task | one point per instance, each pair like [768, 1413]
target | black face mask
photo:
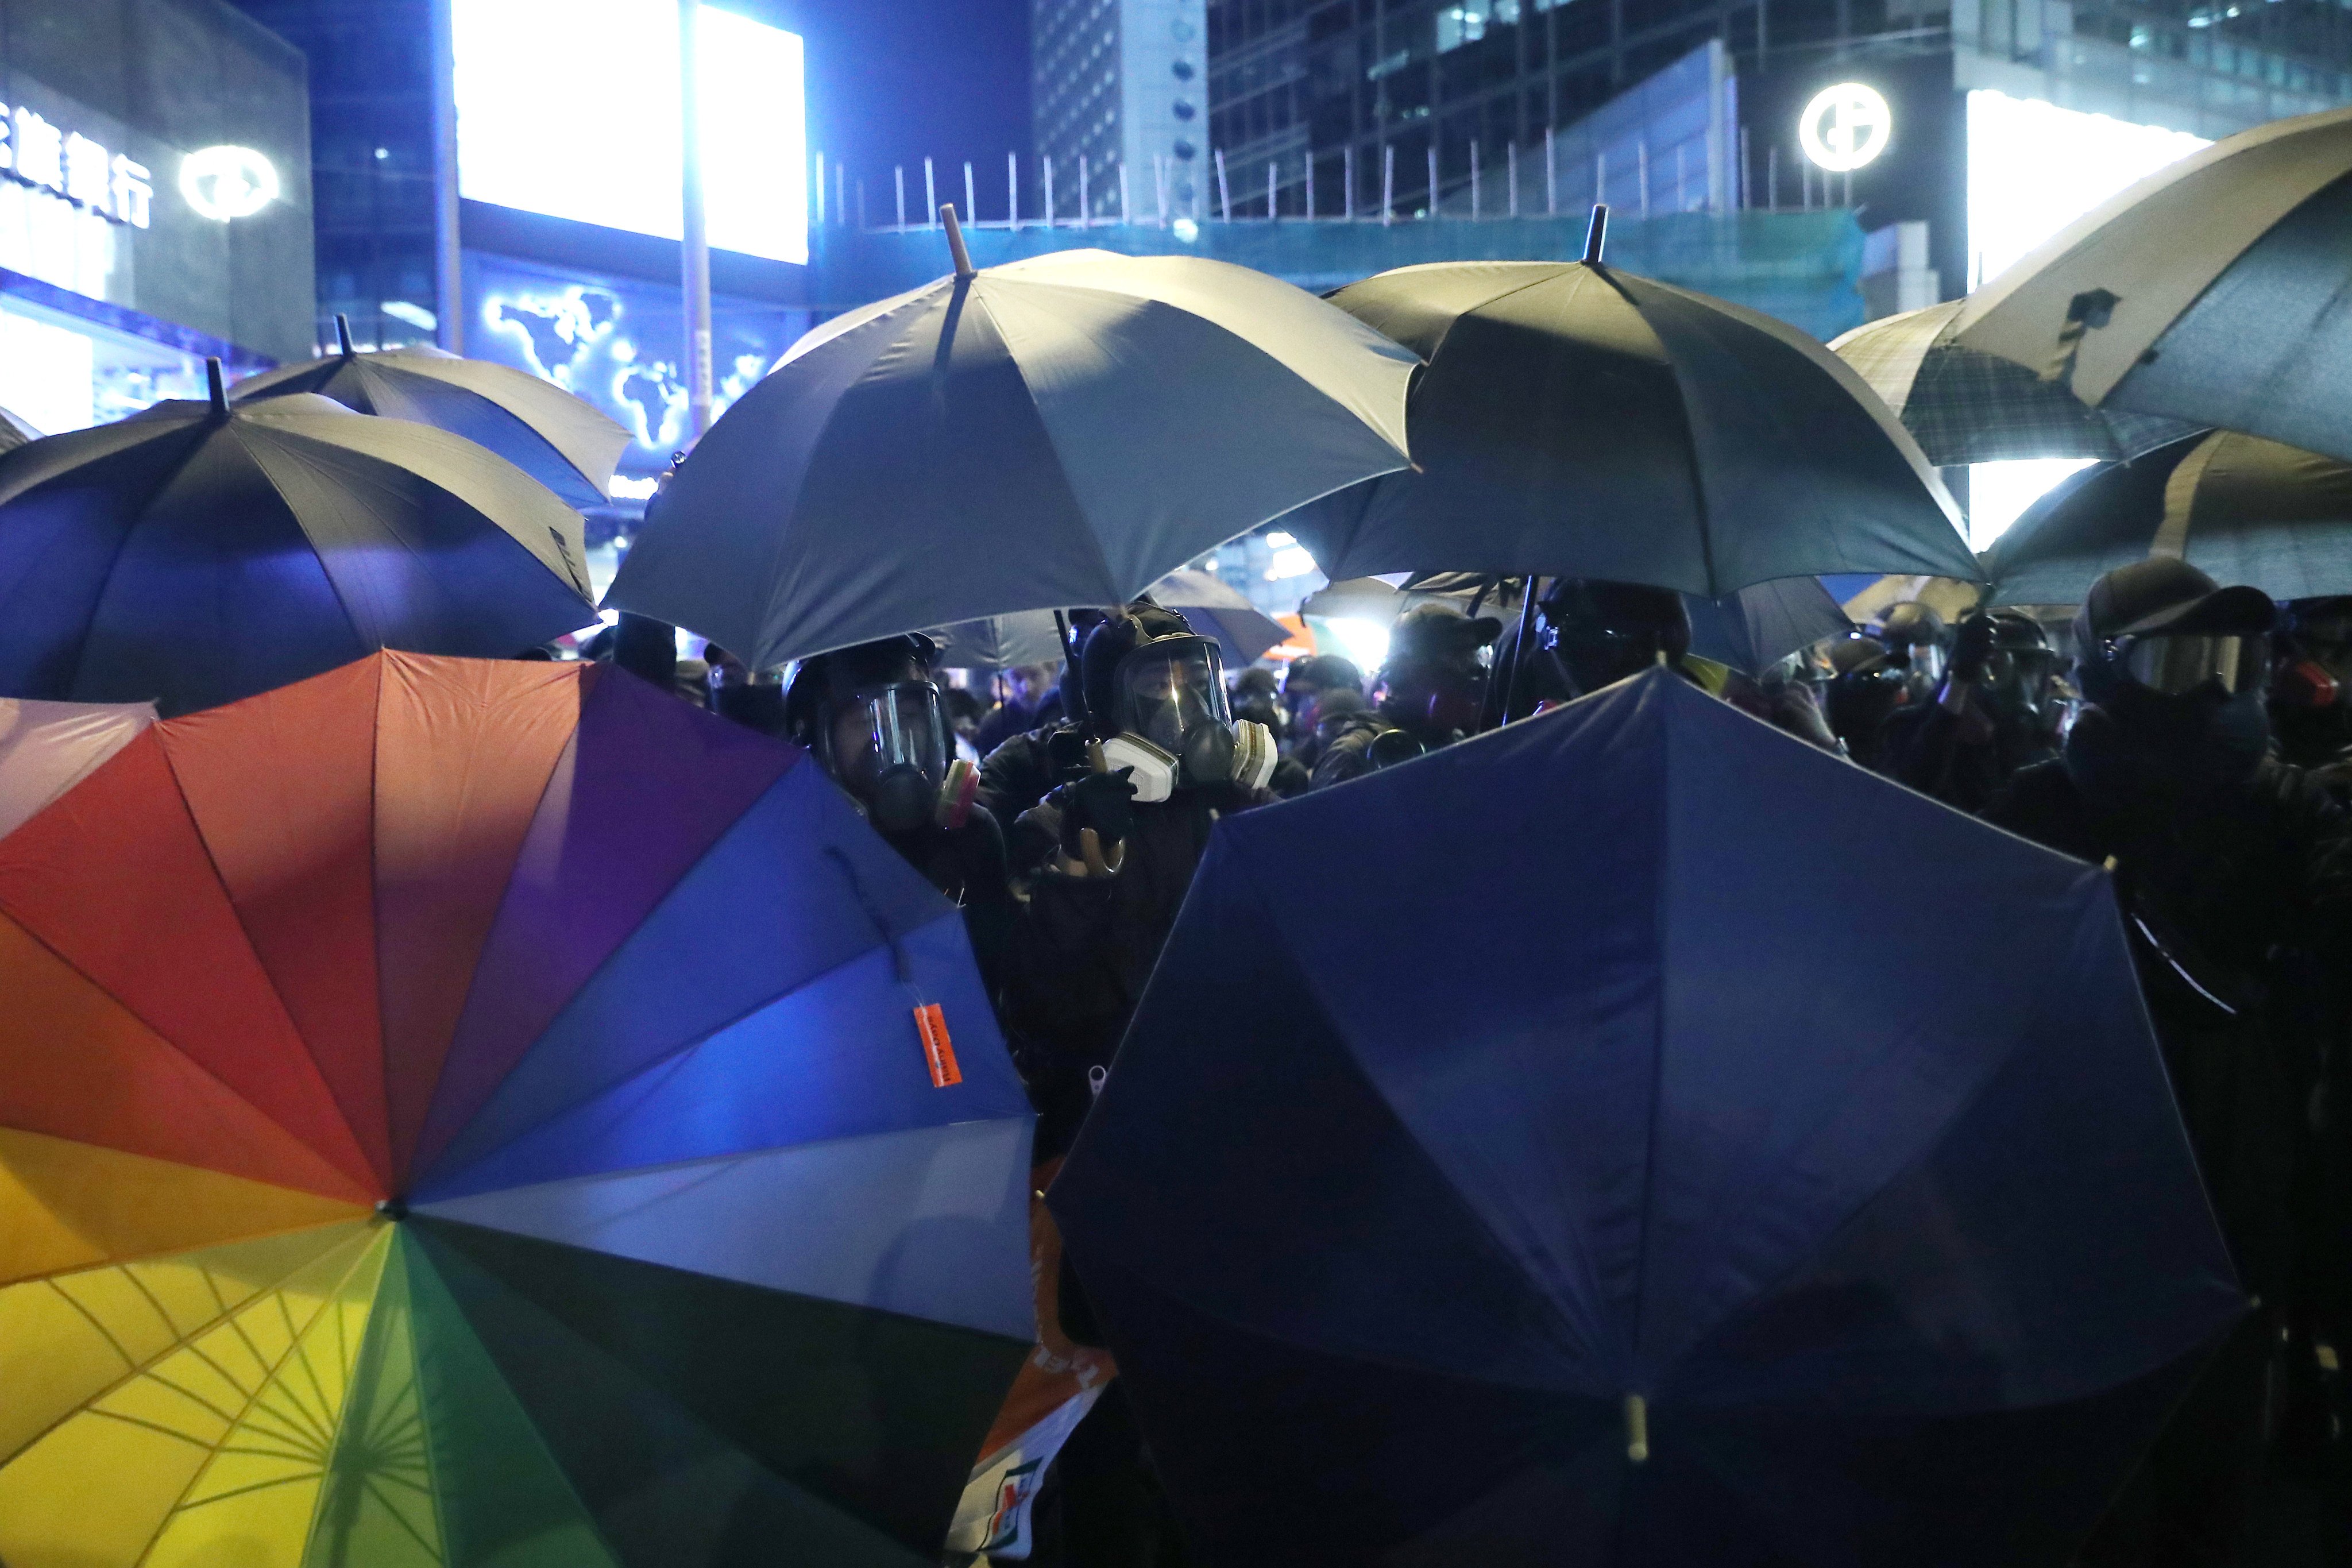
[903, 799]
[2138, 746]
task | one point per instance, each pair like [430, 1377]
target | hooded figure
[1110, 850]
[1431, 690]
[2001, 708]
[2229, 867]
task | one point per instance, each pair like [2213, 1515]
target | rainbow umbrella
[457, 1113]
[46, 748]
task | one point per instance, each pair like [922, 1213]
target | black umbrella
[14, 432]
[1966, 407]
[553, 437]
[2214, 292]
[199, 552]
[2241, 509]
[1657, 1191]
[1578, 420]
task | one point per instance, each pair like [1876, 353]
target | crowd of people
[2195, 740]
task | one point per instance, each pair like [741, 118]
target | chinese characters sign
[39, 152]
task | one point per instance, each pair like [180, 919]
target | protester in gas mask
[1429, 692]
[873, 718]
[2226, 866]
[1917, 643]
[1998, 711]
[1860, 690]
[1304, 686]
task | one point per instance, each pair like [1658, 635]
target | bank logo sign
[36, 150]
[1846, 127]
[225, 183]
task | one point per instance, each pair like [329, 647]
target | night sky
[891, 81]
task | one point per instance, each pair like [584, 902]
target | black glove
[1104, 802]
[1973, 646]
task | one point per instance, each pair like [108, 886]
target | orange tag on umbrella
[939, 1051]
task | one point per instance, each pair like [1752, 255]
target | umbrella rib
[81, 645]
[673, 1058]
[1046, 428]
[270, 1370]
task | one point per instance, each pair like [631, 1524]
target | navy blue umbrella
[1562, 1149]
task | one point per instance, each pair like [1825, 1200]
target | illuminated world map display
[617, 343]
[570, 108]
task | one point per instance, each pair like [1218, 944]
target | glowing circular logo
[1846, 127]
[225, 183]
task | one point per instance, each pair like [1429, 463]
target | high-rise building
[370, 160]
[1121, 85]
[1399, 89]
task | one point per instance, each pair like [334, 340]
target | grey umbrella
[1966, 407]
[1062, 430]
[1579, 420]
[535, 425]
[2215, 291]
[1219, 611]
[994, 643]
[198, 552]
[2241, 509]
[14, 432]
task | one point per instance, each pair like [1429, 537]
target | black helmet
[1604, 631]
[2163, 625]
[1433, 631]
[1120, 633]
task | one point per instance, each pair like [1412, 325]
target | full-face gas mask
[1172, 724]
[888, 746]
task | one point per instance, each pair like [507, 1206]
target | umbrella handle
[1637, 1428]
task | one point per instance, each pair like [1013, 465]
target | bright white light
[2033, 168]
[570, 107]
[1278, 540]
[1185, 230]
[1364, 644]
[416, 316]
[46, 374]
[1846, 127]
[1999, 493]
[626, 488]
[1292, 563]
[226, 183]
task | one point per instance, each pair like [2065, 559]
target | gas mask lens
[1170, 689]
[890, 749]
[2174, 665]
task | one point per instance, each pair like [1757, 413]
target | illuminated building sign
[37, 151]
[570, 107]
[617, 343]
[1846, 127]
[225, 183]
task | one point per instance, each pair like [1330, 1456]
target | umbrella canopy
[1966, 407]
[1063, 430]
[196, 554]
[461, 1112]
[1642, 1223]
[46, 748]
[13, 431]
[996, 643]
[1579, 420]
[2239, 508]
[2213, 291]
[1764, 623]
[549, 434]
[1216, 610]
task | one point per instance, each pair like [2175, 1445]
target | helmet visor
[2173, 664]
[1166, 688]
[887, 727]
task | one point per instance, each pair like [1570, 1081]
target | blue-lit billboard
[617, 343]
[570, 108]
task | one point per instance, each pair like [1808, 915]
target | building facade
[154, 203]
[1415, 98]
[371, 160]
[1120, 85]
